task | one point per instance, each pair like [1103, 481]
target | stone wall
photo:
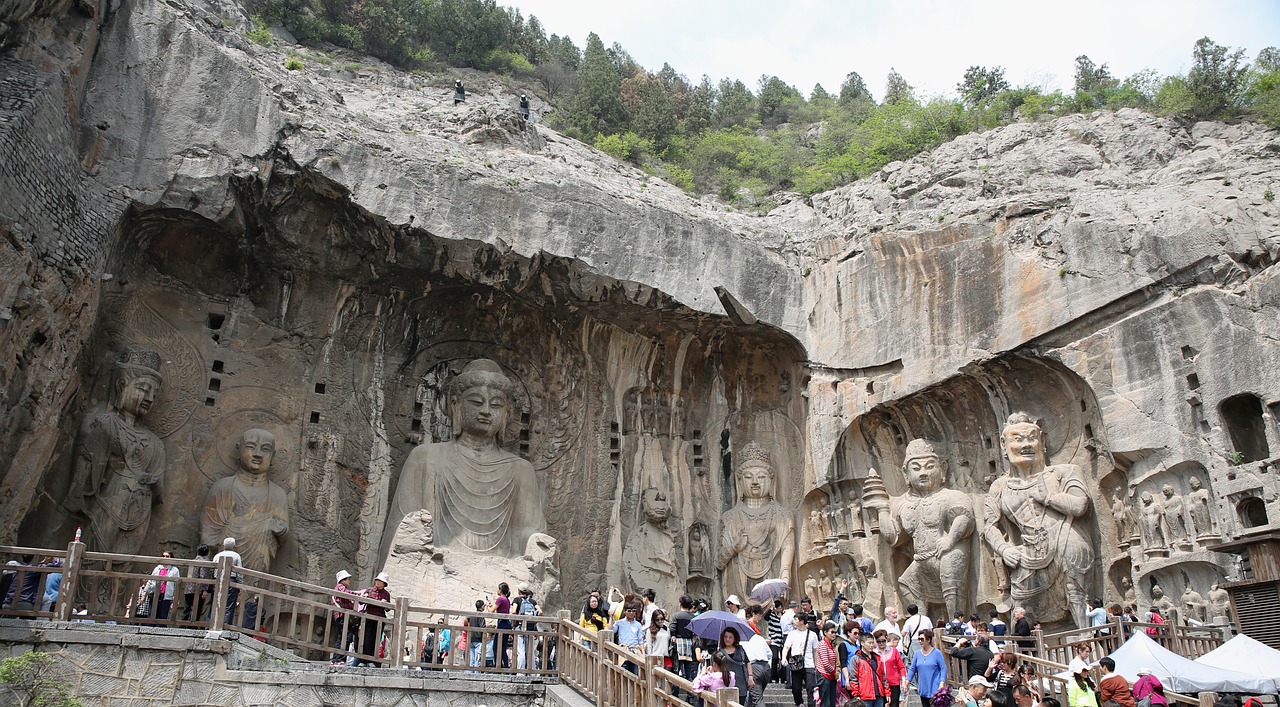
[114, 666]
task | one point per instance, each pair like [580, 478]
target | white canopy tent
[1181, 674]
[1246, 655]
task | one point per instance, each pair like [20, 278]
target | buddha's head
[255, 451]
[923, 468]
[137, 381]
[482, 399]
[755, 474]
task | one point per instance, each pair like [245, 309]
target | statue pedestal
[1155, 552]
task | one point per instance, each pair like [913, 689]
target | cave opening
[1242, 414]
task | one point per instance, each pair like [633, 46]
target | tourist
[477, 644]
[1004, 674]
[974, 651]
[1113, 685]
[161, 590]
[1022, 629]
[996, 699]
[1081, 692]
[526, 605]
[777, 634]
[1084, 657]
[657, 639]
[976, 693]
[890, 622]
[928, 669]
[459, 92]
[731, 646]
[839, 604]
[1096, 614]
[502, 605]
[195, 593]
[895, 668]
[758, 653]
[52, 585]
[683, 639]
[24, 592]
[233, 590]
[733, 605]
[1149, 688]
[911, 628]
[372, 626]
[867, 676]
[344, 625]
[998, 628]
[826, 664]
[442, 644]
[595, 618]
[648, 606]
[524, 107]
[1023, 696]
[711, 678]
[797, 653]
[630, 634]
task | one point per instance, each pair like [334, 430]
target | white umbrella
[769, 589]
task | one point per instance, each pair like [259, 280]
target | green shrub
[1174, 98]
[625, 147]
[293, 63]
[34, 678]
[680, 176]
[260, 34]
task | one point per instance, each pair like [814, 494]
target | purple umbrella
[768, 590]
[711, 624]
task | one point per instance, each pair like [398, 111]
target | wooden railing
[1189, 641]
[303, 619]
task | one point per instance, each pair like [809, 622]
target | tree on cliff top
[597, 107]
[1216, 79]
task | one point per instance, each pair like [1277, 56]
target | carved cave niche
[1242, 416]
[963, 418]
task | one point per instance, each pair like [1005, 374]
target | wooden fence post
[603, 674]
[399, 632]
[651, 680]
[217, 619]
[563, 636]
[70, 581]
[725, 695]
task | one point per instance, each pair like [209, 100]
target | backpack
[529, 607]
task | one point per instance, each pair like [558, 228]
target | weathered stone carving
[1200, 502]
[811, 588]
[856, 527]
[824, 518]
[1160, 601]
[1130, 596]
[1219, 602]
[480, 496]
[119, 464]
[1030, 522]
[1123, 515]
[699, 551]
[938, 523]
[649, 558]
[1175, 519]
[1153, 527]
[1193, 606]
[758, 537]
[248, 506]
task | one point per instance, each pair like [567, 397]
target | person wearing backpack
[526, 605]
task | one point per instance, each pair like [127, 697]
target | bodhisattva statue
[758, 537]
[1123, 515]
[856, 527]
[937, 522]
[248, 506]
[1193, 606]
[1160, 601]
[1175, 520]
[1200, 501]
[1154, 542]
[480, 496]
[1219, 602]
[119, 464]
[649, 559]
[812, 590]
[1031, 522]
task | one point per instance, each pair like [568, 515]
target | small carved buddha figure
[248, 506]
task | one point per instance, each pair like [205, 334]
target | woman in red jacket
[894, 666]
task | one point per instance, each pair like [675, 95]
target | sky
[929, 42]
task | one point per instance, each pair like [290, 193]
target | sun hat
[343, 574]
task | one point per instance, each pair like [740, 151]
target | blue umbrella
[710, 625]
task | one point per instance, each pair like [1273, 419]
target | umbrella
[711, 624]
[769, 589]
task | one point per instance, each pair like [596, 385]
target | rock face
[318, 254]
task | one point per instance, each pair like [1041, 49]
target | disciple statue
[815, 528]
[826, 587]
[1130, 596]
[758, 537]
[248, 506]
[649, 558]
[1123, 516]
[480, 496]
[824, 518]
[1175, 519]
[699, 554]
[1199, 502]
[1160, 601]
[937, 522]
[811, 589]
[1193, 606]
[119, 464]
[1153, 537]
[1033, 522]
[856, 527]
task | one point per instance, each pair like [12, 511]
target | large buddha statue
[248, 506]
[119, 464]
[758, 535]
[937, 522]
[1033, 522]
[649, 559]
[479, 496]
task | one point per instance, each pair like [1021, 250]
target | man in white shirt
[789, 618]
[759, 655]
[233, 594]
[911, 628]
[890, 623]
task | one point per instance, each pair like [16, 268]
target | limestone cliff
[319, 251]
